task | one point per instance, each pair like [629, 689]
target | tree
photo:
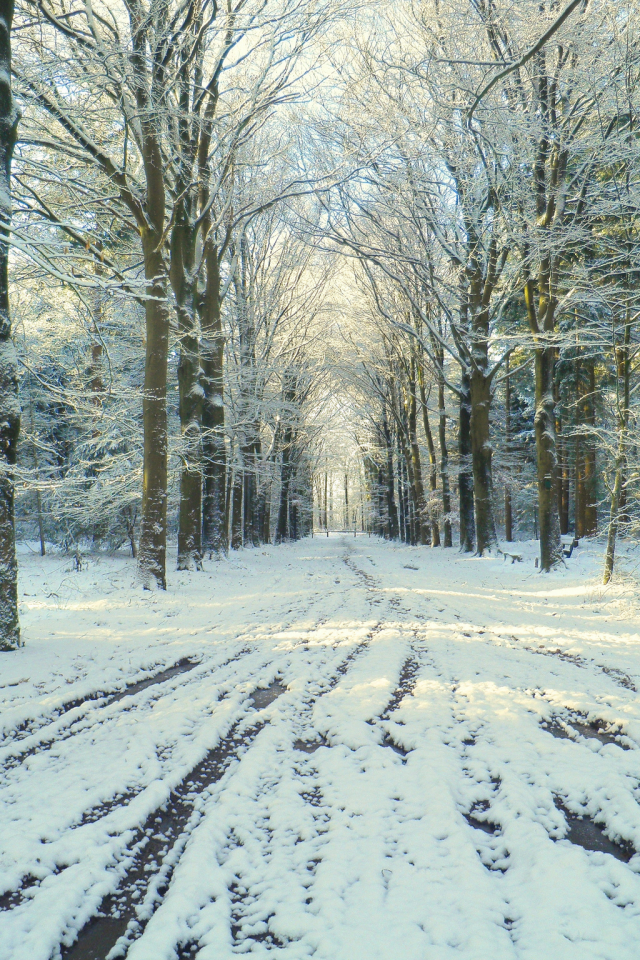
[9, 404]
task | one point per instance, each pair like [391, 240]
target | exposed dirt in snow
[339, 749]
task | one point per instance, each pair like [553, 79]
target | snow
[361, 848]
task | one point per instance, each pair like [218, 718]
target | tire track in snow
[484, 825]
[106, 697]
[324, 651]
[12, 899]
[57, 730]
[119, 922]
[296, 717]
[579, 828]
[159, 844]
[95, 717]
[307, 742]
[100, 698]
[448, 673]
[495, 625]
[119, 800]
[517, 661]
[593, 833]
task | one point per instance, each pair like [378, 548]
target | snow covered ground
[434, 743]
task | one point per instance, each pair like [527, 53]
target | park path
[375, 753]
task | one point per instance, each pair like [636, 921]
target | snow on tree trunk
[9, 404]
[545, 431]
[486, 536]
[213, 441]
[465, 474]
[153, 536]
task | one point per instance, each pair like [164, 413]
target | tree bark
[615, 506]
[545, 432]
[265, 513]
[190, 409]
[465, 470]
[508, 512]
[590, 477]
[623, 370]
[151, 220]
[251, 494]
[282, 525]
[182, 278]
[237, 488]
[486, 536]
[433, 465]
[422, 518]
[392, 510]
[402, 498]
[326, 503]
[413, 511]
[153, 535]
[9, 403]
[444, 464]
[213, 420]
[562, 479]
[346, 502]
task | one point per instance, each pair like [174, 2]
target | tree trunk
[562, 479]
[465, 470]
[190, 409]
[486, 537]
[444, 464]
[9, 404]
[392, 510]
[579, 497]
[433, 465]
[252, 498]
[248, 498]
[590, 478]
[236, 509]
[545, 432]
[401, 498]
[346, 502]
[153, 535]
[282, 525]
[213, 441]
[151, 222]
[624, 378]
[624, 395]
[508, 513]
[615, 506]
[422, 518]
[189, 393]
[413, 510]
[266, 515]
[326, 501]
[36, 466]
[566, 486]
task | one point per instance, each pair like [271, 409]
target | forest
[319, 479]
[262, 250]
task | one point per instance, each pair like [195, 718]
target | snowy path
[430, 735]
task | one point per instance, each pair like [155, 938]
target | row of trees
[495, 237]
[155, 187]
[81, 454]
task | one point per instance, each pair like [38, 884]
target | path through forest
[340, 749]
